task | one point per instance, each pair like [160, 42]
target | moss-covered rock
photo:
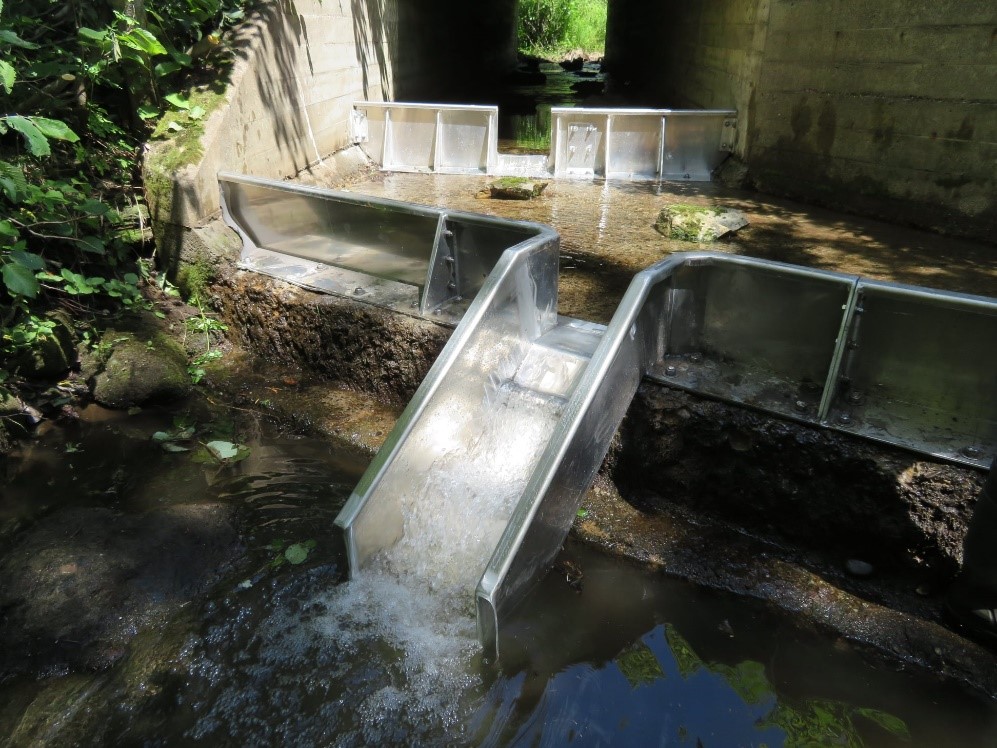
[698, 223]
[139, 369]
[516, 188]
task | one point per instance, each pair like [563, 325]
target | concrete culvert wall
[884, 108]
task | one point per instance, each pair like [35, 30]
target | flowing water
[274, 653]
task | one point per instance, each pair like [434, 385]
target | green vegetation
[552, 28]
[82, 86]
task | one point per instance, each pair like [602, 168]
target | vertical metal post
[840, 352]
[437, 140]
[661, 148]
[387, 147]
[607, 145]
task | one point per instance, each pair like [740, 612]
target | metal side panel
[635, 145]
[547, 507]
[464, 141]
[919, 370]
[694, 144]
[754, 334]
[405, 257]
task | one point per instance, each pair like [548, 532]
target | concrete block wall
[888, 107]
[883, 107]
[300, 66]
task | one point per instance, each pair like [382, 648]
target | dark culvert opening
[525, 56]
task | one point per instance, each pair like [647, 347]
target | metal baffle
[416, 137]
[754, 334]
[586, 142]
[388, 253]
[919, 369]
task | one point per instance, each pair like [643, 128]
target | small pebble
[858, 568]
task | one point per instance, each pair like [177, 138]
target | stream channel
[247, 652]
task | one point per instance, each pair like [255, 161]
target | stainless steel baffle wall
[585, 143]
[401, 256]
[906, 366]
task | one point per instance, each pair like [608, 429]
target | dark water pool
[279, 653]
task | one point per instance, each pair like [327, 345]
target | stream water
[264, 653]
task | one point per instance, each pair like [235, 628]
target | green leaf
[28, 259]
[222, 450]
[178, 100]
[10, 38]
[888, 722]
[165, 68]
[36, 141]
[582, 513]
[93, 34]
[54, 128]
[171, 447]
[143, 41]
[296, 553]
[20, 281]
[196, 112]
[147, 111]
[94, 207]
[92, 244]
[174, 126]
[12, 180]
[7, 75]
[7, 229]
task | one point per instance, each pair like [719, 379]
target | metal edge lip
[426, 105]
[642, 111]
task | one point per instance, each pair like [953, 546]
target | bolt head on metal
[844, 419]
[696, 358]
[972, 452]
[854, 396]
[800, 405]
[358, 291]
[671, 371]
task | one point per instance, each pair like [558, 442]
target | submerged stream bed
[154, 597]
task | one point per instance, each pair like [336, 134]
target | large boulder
[139, 369]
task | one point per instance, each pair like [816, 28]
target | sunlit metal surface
[405, 257]
[628, 144]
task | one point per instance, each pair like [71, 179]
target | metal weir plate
[405, 257]
[627, 144]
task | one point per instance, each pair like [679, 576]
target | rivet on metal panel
[972, 452]
[452, 286]
[801, 406]
[696, 358]
[671, 371]
[844, 419]
[448, 234]
[358, 291]
[853, 344]
[854, 397]
[449, 260]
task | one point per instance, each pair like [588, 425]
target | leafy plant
[290, 553]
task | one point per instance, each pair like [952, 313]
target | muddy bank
[349, 344]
